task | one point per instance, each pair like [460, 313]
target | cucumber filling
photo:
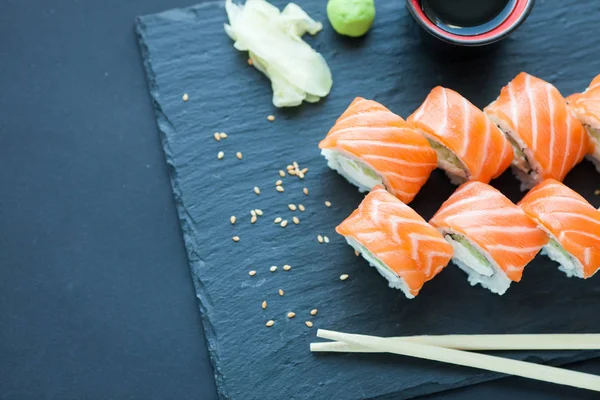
[520, 155]
[354, 170]
[469, 255]
[446, 154]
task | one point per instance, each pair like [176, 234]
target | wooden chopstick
[474, 360]
[578, 341]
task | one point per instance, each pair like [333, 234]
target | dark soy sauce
[467, 17]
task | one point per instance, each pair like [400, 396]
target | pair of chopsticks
[451, 349]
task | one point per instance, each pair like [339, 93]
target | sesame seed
[270, 323]
[305, 190]
[320, 238]
[292, 172]
[220, 155]
[264, 305]
[288, 167]
[597, 192]
[253, 219]
[292, 207]
[271, 118]
[239, 155]
[356, 253]
[258, 212]
[277, 220]
[232, 219]
[279, 183]
[273, 268]
[279, 188]
[296, 220]
[301, 207]
[291, 314]
[304, 170]
[312, 312]
[280, 291]
[343, 277]
[250, 62]
[309, 324]
[217, 137]
[185, 97]
[327, 203]
[256, 190]
[287, 267]
[235, 238]
[325, 239]
[253, 213]
[252, 273]
[284, 223]
[295, 164]
[281, 173]
[223, 135]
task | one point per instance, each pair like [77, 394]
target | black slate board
[186, 51]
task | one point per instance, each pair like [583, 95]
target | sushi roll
[572, 224]
[394, 239]
[492, 238]
[369, 145]
[548, 140]
[586, 106]
[468, 145]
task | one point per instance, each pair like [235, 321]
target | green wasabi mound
[351, 17]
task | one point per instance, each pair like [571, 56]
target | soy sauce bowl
[485, 32]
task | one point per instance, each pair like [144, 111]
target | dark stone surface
[186, 51]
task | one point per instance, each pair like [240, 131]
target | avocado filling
[446, 154]
[355, 171]
[520, 155]
[470, 255]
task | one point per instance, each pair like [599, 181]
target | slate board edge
[166, 127]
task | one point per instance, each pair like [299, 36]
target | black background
[96, 299]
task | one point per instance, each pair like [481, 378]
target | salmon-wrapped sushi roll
[369, 145]
[572, 223]
[493, 239]
[469, 146]
[586, 106]
[394, 239]
[548, 140]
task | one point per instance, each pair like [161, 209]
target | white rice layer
[354, 170]
[448, 161]
[393, 279]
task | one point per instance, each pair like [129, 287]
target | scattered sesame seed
[280, 292]
[220, 155]
[291, 314]
[232, 219]
[309, 324]
[300, 175]
[296, 220]
[300, 207]
[281, 173]
[279, 188]
[325, 239]
[239, 155]
[236, 238]
[279, 183]
[252, 273]
[277, 220]
[597, 192]
[253, 219]
[327, 203]
[295, 164]
[292, 172]
[271, 118]
[284, 223]
[264, 305]
[343, 277]
[290, 166]
[253, 213]
[258, 212]
[185, 97]
[320, 238]
[356, 253]
[287, 267]
[292, 207]
[223, 135]
[304, 170]
[217, 137]
[256, 190]
[250, 62]
[273, 268]
[314, 311]
[305, 190]
[270, 323]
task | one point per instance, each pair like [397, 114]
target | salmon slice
[493, 239]
[548, 140]
[469, 145]
[572, 223]
[586, 107]
[370, 145]
[404, 248]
